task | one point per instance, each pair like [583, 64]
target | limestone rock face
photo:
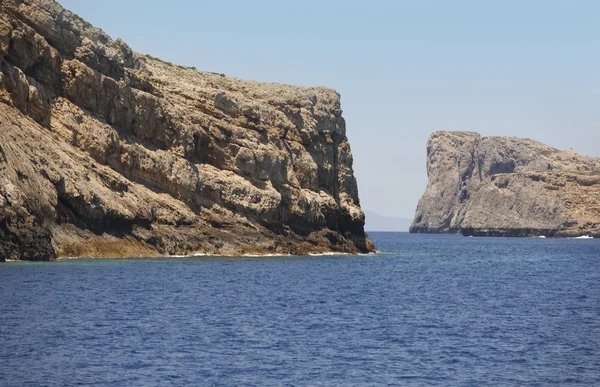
[108, 153]
[507, 186]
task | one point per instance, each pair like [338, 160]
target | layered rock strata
[108, 153]
[506, 186]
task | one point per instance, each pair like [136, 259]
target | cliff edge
[108, 153]
[507, 186]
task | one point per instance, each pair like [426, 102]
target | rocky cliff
[108, 153]
[507, 186]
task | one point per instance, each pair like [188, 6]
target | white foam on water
[193, 255]
[266, 255]
[327, 253]
[584, 237]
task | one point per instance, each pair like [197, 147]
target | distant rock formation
[506, 186]
[108, 153]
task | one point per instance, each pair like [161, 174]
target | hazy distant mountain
[376, 222]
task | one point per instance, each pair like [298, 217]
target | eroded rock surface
[507, 186]
[108, 153]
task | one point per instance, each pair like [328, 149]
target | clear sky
[404, 68]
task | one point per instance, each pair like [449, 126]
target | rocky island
[105, 152]
[506, 186]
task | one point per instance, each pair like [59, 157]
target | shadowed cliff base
[108, 153]
[506, 186]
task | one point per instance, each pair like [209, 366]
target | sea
[427, 310]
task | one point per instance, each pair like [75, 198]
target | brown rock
[106, 152]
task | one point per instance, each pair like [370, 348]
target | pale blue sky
[403, 68]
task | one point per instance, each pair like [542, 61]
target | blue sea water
[427, 310]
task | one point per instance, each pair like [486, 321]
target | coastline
[207, 255]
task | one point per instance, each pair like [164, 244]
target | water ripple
[427, 310]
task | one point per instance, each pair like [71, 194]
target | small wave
[334, 253]
[372, 253]
[327, 253]
[267, 255]
[229, 255]
[194, 255]
[584, 237]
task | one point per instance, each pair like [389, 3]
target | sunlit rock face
[507, 186]
[108, 153]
